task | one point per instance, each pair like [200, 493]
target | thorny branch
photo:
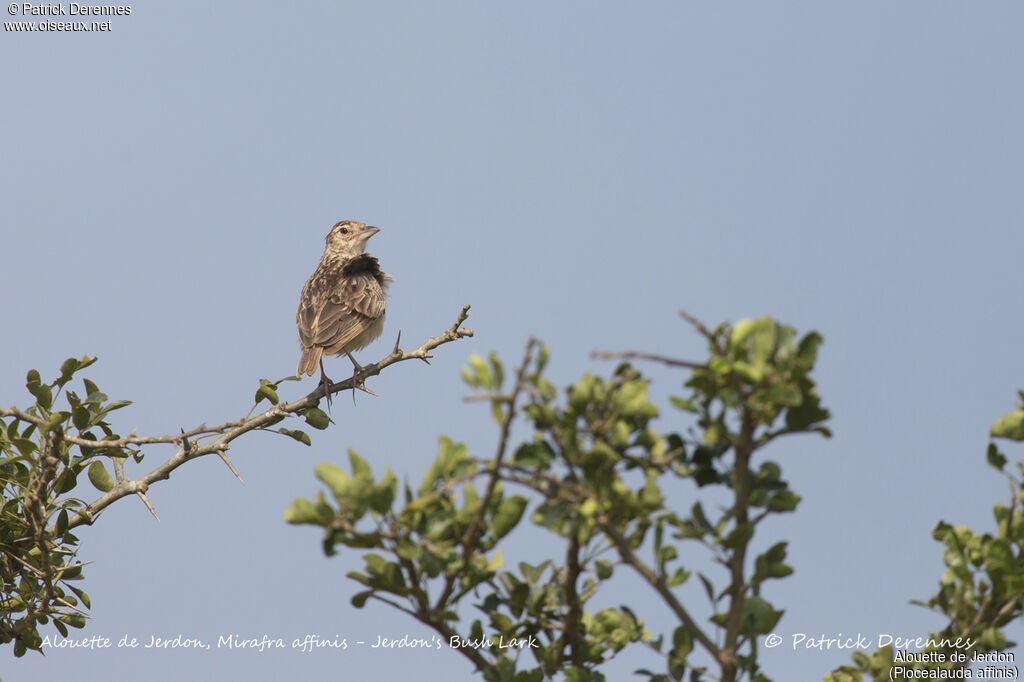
[189, 442]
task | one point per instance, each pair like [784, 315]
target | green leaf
[542, 357]
[998, 555]
[1010, 425]
[759, 616]
[497, 412]
[632, 401]
[510, 511]
[334, 478]
[496, 562]
[56, 419]
[384, 493]
[497, 370]
[359, 465]
[741, 330]
[42, 395]
[683, 404]
[699, 517]
[303, 511]
[748, 372]
[536, 455]
[679, 577]
[481, 371]
[807, 351]
[75, 621]
[69, 367]
[90, 386]
[116, 405]
[783, 501]
[532, 574]
[66, 481]
[739, 536]
[97, 397]
[25, 446]
[994, 457]
[100, 477]
[298, 435]
[650, 495]
[83, 596]
[317, 418]
[589, 507]
[266, 391]
[763, 340]
[682, 645]
[80, 417]
[770, 564]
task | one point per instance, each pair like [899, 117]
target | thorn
[397, 340]
[357, 382]
[186, 447]
[145, 500]
[224, 456]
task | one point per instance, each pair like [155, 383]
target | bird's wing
[355, 303]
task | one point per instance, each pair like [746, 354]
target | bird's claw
[326, 383]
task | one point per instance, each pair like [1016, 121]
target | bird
[342, 305]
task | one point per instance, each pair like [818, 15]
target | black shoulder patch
[364, 262]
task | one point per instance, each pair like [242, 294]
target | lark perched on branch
[341, 309]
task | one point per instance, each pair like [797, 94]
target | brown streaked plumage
[341, 308]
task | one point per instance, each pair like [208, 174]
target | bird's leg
[356, 369]
[326, 384]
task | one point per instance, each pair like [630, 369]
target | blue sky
[578, 171]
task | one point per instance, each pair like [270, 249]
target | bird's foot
[326, 383]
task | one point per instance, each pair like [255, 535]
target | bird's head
[348, 238]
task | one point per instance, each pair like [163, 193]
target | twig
[629, 557]
[574, 608]
[636, 355]
[698, 325]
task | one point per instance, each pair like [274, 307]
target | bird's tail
[309, 361]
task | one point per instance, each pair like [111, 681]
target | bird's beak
[368, 232]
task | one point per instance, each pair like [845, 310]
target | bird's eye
[344, 230]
